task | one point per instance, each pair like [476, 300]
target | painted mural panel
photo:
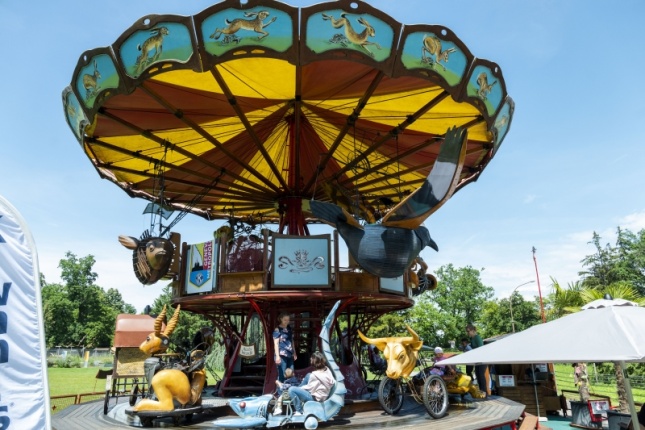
[166, 41]
[232, 28]
[427, 50]
[502, 123]
[337, 29]
[73, 113]
[484, 86]
[98, 75]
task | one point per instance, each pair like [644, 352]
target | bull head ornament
[401, 353]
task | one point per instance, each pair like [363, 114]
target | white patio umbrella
[599, 334]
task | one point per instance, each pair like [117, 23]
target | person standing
[283, 345]
[480, 369]
[465, 347]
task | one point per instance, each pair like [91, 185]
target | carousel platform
[365, 414]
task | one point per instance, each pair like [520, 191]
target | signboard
[301, 262]
[24, 393]
[201, 267]
[506, 380]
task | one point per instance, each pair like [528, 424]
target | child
[290, 381]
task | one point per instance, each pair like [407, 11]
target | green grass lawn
[564, 381]
[76, 381]
[73, 380]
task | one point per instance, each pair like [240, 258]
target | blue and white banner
[201, 270]
[24, 392]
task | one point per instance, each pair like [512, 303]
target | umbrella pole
[630, 395]
[537, 398]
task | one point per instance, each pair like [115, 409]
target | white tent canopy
[615, 333]
[603, 334]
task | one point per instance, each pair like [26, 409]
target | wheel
[176, 420]
[390, 395]
[435, 396]
[133, 394]
[189, 418]
[106, 402]
[311, 422]
[146, 422]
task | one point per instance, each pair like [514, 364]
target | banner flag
[24, 391]
[201, 270]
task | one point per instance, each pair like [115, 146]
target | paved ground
[364, 415]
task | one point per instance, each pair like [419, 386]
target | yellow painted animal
[401, 353]
[171, 385]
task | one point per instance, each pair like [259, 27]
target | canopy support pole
[630, 395]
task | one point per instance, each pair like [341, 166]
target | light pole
[510, 301]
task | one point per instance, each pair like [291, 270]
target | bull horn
[379, 343]
[415, 336]
[173, 322]
[159, 321]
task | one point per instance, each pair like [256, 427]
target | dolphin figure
[387, 249]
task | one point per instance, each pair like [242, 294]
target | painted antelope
[401, 353]
[351, 34]
[257, 25]
[171, 384]
[484, 87]
[432, 45]
[153, 43]
[91, 82]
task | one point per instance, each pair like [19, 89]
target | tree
[624, 262]
[78, 312]
[115, 301]
[496, 315]
[441, 315]
[562, 301]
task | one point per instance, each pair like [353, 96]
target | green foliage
[496, 315]
[78, 312]
[187, 326]
[623, 262]
[392, 324]
[562, 301]
[441, 315]
[68, 362]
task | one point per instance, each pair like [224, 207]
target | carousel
[276, 119]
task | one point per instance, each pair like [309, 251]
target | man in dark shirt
[480, 369]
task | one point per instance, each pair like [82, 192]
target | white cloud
[634, 222]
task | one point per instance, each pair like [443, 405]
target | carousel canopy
[246, 109]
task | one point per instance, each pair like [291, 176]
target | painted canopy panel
[235, 111]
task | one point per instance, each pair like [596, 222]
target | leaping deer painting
[351, 35]
[484, 87]
[432, 45]
[256, 24]
[153, 43]
[91, 82]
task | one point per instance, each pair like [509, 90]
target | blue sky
[571, 164]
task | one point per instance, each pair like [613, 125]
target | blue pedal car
[254, 411]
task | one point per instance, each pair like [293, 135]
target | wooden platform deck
[360, 415]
